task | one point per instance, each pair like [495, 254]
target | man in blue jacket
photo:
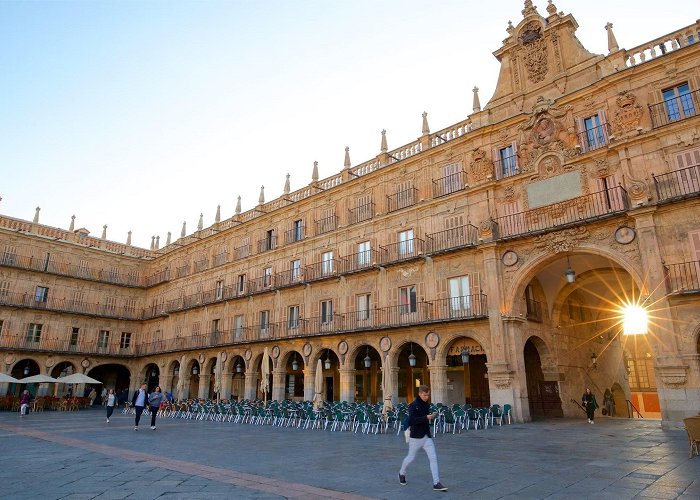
[419, 417]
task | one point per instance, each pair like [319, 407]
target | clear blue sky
[144, 114]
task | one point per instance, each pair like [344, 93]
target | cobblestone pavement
[77, 455]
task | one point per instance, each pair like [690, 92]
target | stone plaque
[555, 189]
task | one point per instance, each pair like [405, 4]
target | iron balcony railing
[288, 278]
[261, 284]
[267, 244]
[402, 199]
[452, 239]
[157, 278]
[403, 250]
[683, 277]
[201, 265]
[362, 260]
[449, 184]
[56, 345]
[57, 304]
[361, 213]
[507, 166]
[326, 225]
[567, 213]
[182, 271]
[323, 270]
[295, 234]
[594, 138]
[241, 252]
[679, 184]
[672, 110]
[220, 259]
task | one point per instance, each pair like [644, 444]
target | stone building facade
[514, 237]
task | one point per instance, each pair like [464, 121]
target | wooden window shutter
[515, 154]
[474, 283]
[694, 238]
[581, 134]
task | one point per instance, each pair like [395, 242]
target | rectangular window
[110, 304]
[327, 267]
[364, 254]
[406, 243]
[595, 133]
[219, 290]
[74, 336]
[2, 323]
[103, 339]
[34, 332]
[364, 305]
[407, 299]
[326, 311]
[678, 102]
[267, 277]
[41, 295]
[4, 288]
[264, 321]
[125, 340]
[452, 178]
[196, 328]
[298, 229]
[241, 284]
[459, 293]
[506, 160]
[9, 255]
[293, 317]
[216, 326]
[270, 239]
[296, 270]
[238, 326]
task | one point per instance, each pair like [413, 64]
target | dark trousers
[590, 411]
[110, 410]
[154, 412]
[139, 411]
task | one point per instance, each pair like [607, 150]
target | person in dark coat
[590, 404]
[419, 418]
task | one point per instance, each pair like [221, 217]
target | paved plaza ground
[77, 455]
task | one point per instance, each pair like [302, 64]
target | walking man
[419, 417]
[139, 402]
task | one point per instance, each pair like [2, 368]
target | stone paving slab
[77, 455]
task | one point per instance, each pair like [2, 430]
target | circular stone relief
[50, 362]
[201, 359]
[625, 235]
[343, 347]
[247, 354]
[306, 350]
[509, 258]
[85, 363]
[9, 359]
[276, 352]
[432, 340]
[385, 344]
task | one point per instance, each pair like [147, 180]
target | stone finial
[157, 242]
[71, 228]
[426, 128]
[104, 232]
[314, 173]
[529, 8]
[36, 215]
[384, 147]
[612, 42]
[346, 163]
[476, 106]
[153, 242]
[200, 224]
[510, 29]
[217, 217]
[261, 198]
[286, 185]
[167, 240]
[551, 8]
[128, 239]
[184, 229]
[238, 206]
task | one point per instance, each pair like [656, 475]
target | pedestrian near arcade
[590, 404]
[24, 403]
[154, 401]
[419, 418]
[111, 403]
[139, 402]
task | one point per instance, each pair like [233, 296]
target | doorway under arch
[543, 395]
[467, 380]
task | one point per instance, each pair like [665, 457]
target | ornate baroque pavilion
[489, 259]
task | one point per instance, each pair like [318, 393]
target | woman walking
[24, 403]
[111, 403]
[154, 401]
[590, 404]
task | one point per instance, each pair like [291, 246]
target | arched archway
[411, 377]
[543, 395]
[193, 374]
[368, 375]
[25, 368]
[63, 369]
[152, 376]
[467, 380]
[294, 377]
[112, 376]
[238, 369]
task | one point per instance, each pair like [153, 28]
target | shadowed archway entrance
[543, 396]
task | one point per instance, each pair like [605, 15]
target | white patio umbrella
[77, 378]
[265, 382]
[387, 389]
[318, 385]
[5, 378]
[38, 379]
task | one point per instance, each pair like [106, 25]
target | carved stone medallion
[343, 347]
[628, 115]
[276, 352]
[306, 350]
[432, 340]
[85, 363]
[510, 258]
[385, 344]
[625, 235]
[248, 354]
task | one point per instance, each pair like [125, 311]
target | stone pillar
[166, 383]
[395, 385]
[438, 383]
[347, 384]
[309, 383]
[515, 394]
[203, 390]
[251, 380]
[278, 379]
[226, 383]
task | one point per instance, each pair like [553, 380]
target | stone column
[309, 383]
[278, 379]
[438, 383]
[251, 385]
[507, 385]
[226, 384]
[204, 385]
[347, 384]
[166, 383]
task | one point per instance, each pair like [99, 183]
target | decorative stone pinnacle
[157, 242]
[529, 9]
[476, 105]
[346, 163]
[261, 198]
[286, 185]
[104, 232]
[238, 206]
[510, 29]
[551, 8]
[71, 228]
[612, 42]
[184, 229]
[36, 215]
[167, 240]
[217, 218]
[384, 147]
[425, 129]
[128, 238]
[153, 242]
[314, 173]
[200, 224]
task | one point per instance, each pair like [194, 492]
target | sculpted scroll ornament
[562, 241]
[480, 168]
[534, 52]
